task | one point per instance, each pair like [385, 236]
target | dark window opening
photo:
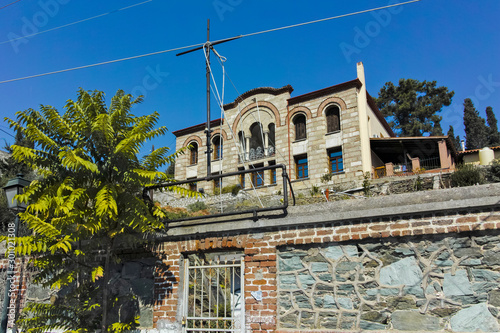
[300, 127]
[218, 147]
[193, 153]
[332, 119]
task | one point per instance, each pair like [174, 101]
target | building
[337, 132]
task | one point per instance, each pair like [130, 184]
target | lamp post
[14, 187]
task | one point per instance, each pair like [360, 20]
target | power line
[99, 63]
[73, 23]
[7, 133]
[200, 44]
[9, 4]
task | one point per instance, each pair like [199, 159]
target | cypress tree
[454, 139]
[493, 134]
[476, 132]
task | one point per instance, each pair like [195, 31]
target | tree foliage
[9, 168]
[87, 205]
[493, 134]
[411, 107]
[476, 131]
[454, 139]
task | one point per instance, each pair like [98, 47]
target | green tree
[454, 139]
[87, 205]
[9, 168]
[411, 107]
[493, 134]
[476, 132]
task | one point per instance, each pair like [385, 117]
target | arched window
[300, 126]
[217, 146]
[193, 153]
[271, 139]
[332, 119]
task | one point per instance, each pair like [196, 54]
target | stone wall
[374, 264]
[135, 275]
[428, 283]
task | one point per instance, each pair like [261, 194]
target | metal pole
[208, 130]
[10, 276]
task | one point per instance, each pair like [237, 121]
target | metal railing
[214, 297]
[254, 211]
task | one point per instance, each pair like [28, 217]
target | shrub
[197, 206]
[326, 177]
[233, 189]
[366, 183]
[314, 190]
[418, 185]
[467, 175]
[494, 171]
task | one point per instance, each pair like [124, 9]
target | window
[336, 161]
[301, 169]
[272, 173]
[332, 119]
[300, 126]
[193, 153]
[271, 139]
[217, 147]
[193, 187]
[217, 182]
[258, 178]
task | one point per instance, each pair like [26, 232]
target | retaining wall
[426, 261]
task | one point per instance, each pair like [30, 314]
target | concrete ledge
[445, 200]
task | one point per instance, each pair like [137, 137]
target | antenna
[208, 46]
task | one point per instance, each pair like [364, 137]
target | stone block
[403, 272]
[485, 275]
[474, 318]
[414, 321]
[335, 252]
[371, 326]
[457, 285]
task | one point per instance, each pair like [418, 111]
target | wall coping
[479, 196]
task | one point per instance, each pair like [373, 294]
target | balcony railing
[257, 154]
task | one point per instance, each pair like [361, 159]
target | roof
[196, 128]
[325, 91]
[356, 83]
[471, 151]
[261, 90]
[390, 149]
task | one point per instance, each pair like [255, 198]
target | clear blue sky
[454, 42]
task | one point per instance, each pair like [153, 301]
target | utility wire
[100, 63]
[9, 4]
[7, 133]
[73, 23]
[200, 44]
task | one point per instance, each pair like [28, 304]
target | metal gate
[213, 297]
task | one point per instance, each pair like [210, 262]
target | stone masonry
[425, 261]
[275, 108]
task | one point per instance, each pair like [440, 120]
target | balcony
[258, 153]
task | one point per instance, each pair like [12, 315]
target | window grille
[214, 297]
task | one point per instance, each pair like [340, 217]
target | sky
[453, 42]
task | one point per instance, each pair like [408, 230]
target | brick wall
[261, 249]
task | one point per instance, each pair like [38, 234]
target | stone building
[337, 132]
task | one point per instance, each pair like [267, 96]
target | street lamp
[14, 187]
